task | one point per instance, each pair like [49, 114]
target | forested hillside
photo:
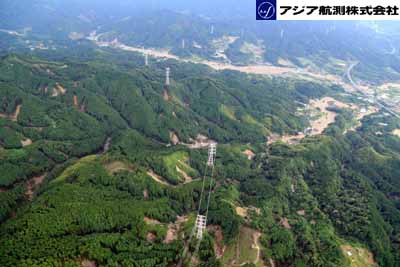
[102, 163]
[99, 165]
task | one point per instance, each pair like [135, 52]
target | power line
[200, 225]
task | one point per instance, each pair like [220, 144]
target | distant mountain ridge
[319, 45]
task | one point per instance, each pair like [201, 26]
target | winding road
[359, 90]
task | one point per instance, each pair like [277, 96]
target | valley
[261, 69]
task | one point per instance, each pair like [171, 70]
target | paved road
[380, 104]
[349, 75]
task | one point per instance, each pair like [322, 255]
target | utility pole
[212, 29]
[183, 43]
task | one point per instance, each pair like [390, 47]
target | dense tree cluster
[96, 197]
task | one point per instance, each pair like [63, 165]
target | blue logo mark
[266, 10]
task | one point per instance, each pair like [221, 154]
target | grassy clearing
[243, 250]
[228, 112]
[178, 159]
[256, 50]
[84, 168]
[246, 245]
[252, 121]
[117, 166]
[358, 256]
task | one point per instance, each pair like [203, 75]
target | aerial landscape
[173, 133]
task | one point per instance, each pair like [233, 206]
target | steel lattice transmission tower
[212, 151]
[167, 73]
[146, 57]
[201, 220]
[201, 224]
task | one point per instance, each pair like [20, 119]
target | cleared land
[13, 116]
[358, 257]
[200, 142]
[246, 249]
[263, 69]
[250, 154]
[26, 142]
[117, 166]
[58, 90]
[157, 178]
[33, 184]
[320, 118]
[396, 132]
